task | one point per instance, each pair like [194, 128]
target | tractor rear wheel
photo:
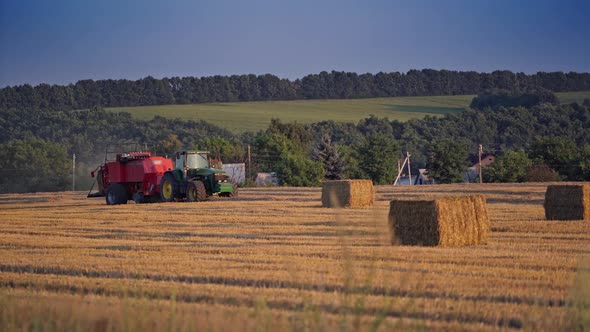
[116, 194]
[168, 188]
[195, 191]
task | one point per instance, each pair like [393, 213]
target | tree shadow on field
[422, 109]
[272, 198]
[49, 207]
[23, 201]
[512, 201]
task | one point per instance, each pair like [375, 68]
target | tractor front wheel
[235, 192]
[168, 188]
[195, 191]
[116, 194]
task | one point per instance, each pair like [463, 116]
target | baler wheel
[168, 188]
[196, 192]
[116, 194]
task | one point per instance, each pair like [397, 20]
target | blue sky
[65, 41]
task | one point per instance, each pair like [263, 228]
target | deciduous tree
[513, 166]
[379, 157]
[33, 164]
[447, 161]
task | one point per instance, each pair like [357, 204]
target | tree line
[533, 136]
[42, 142]
[86, 94]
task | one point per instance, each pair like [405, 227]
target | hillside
[559, 135]
[251, 116]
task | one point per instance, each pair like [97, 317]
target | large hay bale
[567, 202]
[348, 193]
[447, 222]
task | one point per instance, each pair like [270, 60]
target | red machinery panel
[137, 170]
[153, 170]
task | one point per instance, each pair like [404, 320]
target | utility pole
[249, 163]
[401, 168]
[74, 172]
[409, 168]
[400, 171]
[480, 152]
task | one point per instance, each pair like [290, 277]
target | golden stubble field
[274, 259]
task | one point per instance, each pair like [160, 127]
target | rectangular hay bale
[348, 193]
[447, 222]
[567, 202]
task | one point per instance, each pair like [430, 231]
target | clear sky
[65, 41]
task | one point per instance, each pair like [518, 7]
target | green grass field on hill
[252, 116]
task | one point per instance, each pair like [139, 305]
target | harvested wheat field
[275, 259]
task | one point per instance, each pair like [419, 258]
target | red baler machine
[133, 175]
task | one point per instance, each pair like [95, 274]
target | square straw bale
[567, 202]
[348, 193]
[447, 222]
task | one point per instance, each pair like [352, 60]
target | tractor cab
[190, 161]
[194, 164]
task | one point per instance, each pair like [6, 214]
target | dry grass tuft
[447, 222]
[567, 202]
[348, 193]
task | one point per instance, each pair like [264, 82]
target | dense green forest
[87, 94]
[534, 136]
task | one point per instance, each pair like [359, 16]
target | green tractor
[193, 178]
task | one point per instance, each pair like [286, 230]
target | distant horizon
[289, 78]
[62, 42]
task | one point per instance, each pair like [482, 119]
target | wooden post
[249, 163]
[74, 172]
[399, 173]
[409, 169]
[480, 152]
